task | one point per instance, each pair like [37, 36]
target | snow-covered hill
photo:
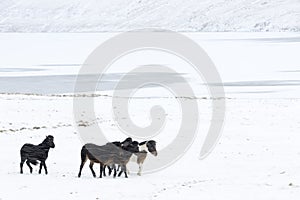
[121, 15]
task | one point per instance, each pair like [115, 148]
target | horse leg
[125, 171]
[115, 171]
[103, 171]
[110, 169]
[41, 166]
[21, 165]
[140, 169]
[45, 167]
[28, 164]
[102, 168]
[122, 170]
[91, 167]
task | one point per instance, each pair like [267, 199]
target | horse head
[49, 141]
[149, 146]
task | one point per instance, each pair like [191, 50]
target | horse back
[108, 153]
[27, 147]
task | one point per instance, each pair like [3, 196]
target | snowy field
[257, 156]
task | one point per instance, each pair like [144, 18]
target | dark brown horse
[107, 155]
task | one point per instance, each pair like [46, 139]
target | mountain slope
[121, 15]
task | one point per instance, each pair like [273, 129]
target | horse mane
[142, 143]
[47, 138]
[44, 141]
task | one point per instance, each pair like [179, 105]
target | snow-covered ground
[123, 15]
[257, 157]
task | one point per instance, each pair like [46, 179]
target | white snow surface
[257, 157]
[124, 15]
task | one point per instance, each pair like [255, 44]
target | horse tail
[34, 162]
[22, 154]
[84, 153]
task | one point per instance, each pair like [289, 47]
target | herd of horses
[113, 156]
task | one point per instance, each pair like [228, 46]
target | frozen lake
[251, 64]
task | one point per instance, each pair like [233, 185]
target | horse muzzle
[154, 153]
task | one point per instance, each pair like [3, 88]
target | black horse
[34, 153]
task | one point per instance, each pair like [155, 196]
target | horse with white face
[144, 148]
